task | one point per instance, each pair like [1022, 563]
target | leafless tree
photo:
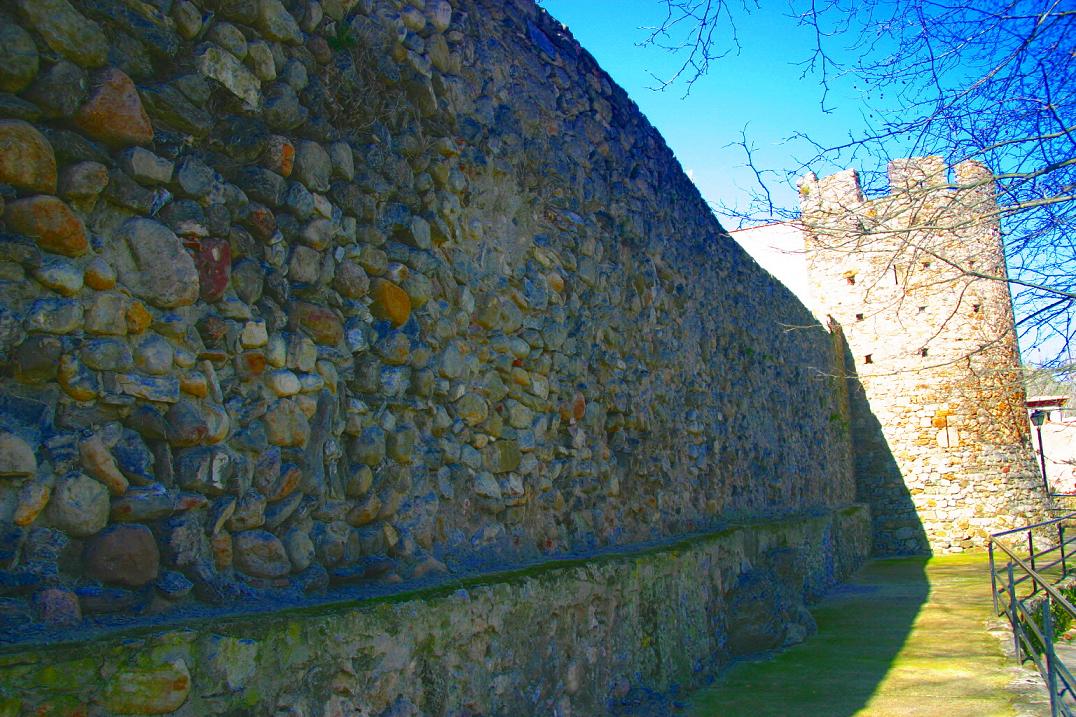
[963, 79]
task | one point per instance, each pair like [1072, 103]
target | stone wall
[573, 640]
[308, 305]
[939, 427]
[301, 295]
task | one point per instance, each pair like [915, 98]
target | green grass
[906, 637]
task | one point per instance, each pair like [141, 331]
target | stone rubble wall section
[942, 441]
[308, 294]
[575, 640]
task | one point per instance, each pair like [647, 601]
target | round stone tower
[917, 281]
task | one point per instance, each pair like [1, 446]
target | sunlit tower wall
[916, 279]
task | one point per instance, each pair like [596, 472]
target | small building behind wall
[1057, 433]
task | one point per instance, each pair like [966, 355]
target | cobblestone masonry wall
[305, 296]
[572, 640]
[941, 437]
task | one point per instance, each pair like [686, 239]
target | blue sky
[759, 89]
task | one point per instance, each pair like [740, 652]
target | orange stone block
[98, 461]
[391, 303]
[191, 501]
[50, 222]
[99, 275]
[579, 406]
[285, 485]
[222, 550]
[287, 159]
[194, 384]
[26, 157]
[69, 377]
[279, 156]
[32, 500]
[138, 318]
[320, 322]
[114, 112]
[254, 362]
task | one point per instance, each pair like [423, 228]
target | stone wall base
[572, 638]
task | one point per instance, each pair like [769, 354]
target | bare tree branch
[962, 79]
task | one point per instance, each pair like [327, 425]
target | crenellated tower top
[909, 179]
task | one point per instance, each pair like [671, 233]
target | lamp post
[1038, 417]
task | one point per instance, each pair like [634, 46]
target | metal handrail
[1033, 526]
[1022, 617]
[1050, 589]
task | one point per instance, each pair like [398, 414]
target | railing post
[1014, 620]
[993, 576]
[1064, 558]
[1031, 559]
[1048, 639]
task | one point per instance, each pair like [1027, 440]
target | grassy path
[905, 638]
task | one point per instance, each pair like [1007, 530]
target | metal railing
[1024, 591]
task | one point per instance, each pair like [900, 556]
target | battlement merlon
[912, 173]
[978, 187]
[835, 193]
[842, 191]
